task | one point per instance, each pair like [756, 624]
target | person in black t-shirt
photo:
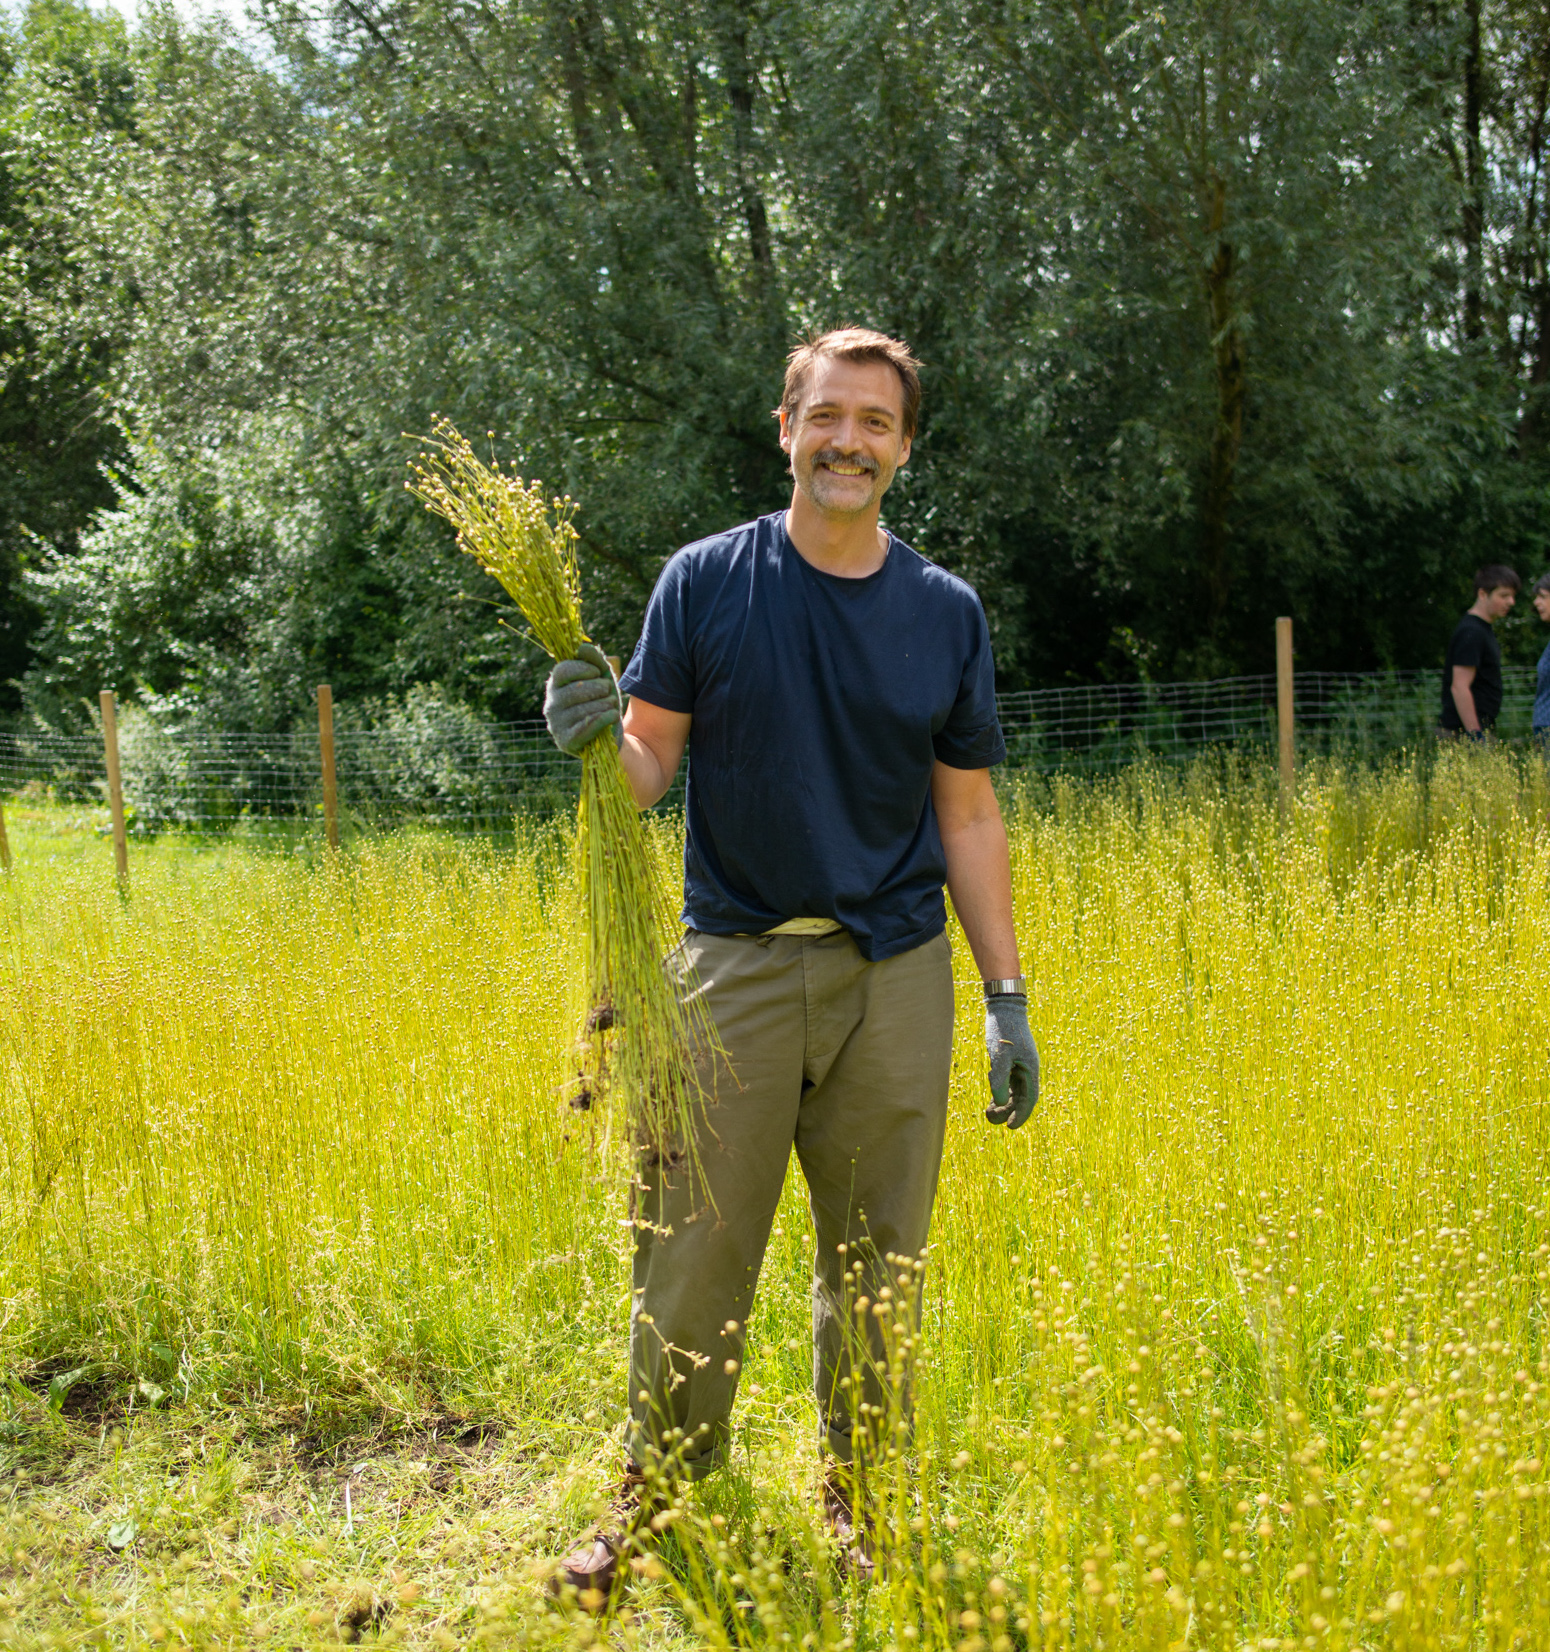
[1472, 672]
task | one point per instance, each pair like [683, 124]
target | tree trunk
[1535, 428]
[583, 123]
[740, 94]
[1227, 436]
[1474, 175]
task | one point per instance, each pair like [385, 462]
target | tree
[1514, 155]
[66, 103]
[1247, 238]
[1189, 288]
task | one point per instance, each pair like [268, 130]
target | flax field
[313, 1291]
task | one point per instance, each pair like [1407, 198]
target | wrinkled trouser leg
[848, 1062]
[869, 1138]
[695, 1269]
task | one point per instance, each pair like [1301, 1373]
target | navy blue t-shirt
[820, 705]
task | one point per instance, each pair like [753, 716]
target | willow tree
[1249, 218]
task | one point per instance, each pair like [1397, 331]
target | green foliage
[1213, 328]
[66, 105]
[235, 580]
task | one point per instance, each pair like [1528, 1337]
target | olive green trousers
[844, 1060]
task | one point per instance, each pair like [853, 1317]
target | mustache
[833, 456]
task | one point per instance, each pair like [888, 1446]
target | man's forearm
[1464, 700]
[979, 878]
[651, 748]
[643, 770]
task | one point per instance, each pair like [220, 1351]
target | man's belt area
[807, 926]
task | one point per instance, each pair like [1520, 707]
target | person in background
[1472, 673]
[1541, 596]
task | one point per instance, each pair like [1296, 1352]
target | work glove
[1014, 1061]
[581, 699]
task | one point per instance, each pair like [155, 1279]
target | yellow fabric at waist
[806, 926]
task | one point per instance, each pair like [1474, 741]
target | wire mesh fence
[457, 773]
[439, 765]
[1363, 714]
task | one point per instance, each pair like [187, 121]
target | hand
[581, 699]
[1014, 1061]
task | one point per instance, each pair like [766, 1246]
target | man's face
[1498, 603]
[846, 439]
[1542, 605]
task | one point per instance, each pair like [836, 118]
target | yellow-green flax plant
[638, 1037]
[1240, 1342]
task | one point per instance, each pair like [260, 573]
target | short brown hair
[1494, 575]
[853, 344]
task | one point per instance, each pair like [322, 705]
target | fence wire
[1363, 713]
[463, 774]
[443, 767]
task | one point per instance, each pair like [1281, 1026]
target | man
[840, 689]
[1472, 672]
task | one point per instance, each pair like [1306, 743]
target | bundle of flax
[638, 1037]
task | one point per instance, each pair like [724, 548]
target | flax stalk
[638, 1039]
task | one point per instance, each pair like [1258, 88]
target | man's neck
[1480, 613]
[850, 547]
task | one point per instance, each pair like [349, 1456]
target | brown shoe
[592, 1569]
[839, 1513]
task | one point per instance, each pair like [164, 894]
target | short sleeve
[1469, 645]
[971, 736]
[661, 670]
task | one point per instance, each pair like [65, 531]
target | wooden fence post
[1284, 712]
[5, 844]
[326, 744]
[115, 782]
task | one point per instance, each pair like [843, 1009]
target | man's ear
[785, 429]
[904, 452]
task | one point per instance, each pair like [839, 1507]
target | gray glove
[1014, 1061]
[581, 699]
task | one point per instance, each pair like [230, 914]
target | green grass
[1238, 1343]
